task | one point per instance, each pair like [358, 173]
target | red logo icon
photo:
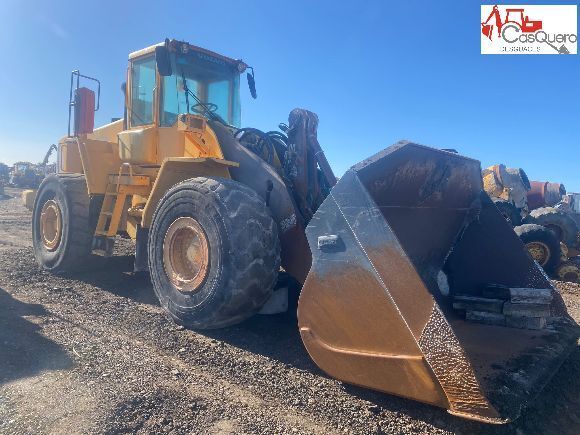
[514, 17]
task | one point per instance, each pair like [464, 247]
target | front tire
[63, 225]
[214, 253]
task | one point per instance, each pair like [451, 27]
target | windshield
[212, 80]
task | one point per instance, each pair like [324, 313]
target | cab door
[138, 144]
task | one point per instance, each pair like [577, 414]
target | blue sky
[374, 71]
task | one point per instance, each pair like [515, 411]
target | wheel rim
[50, 225]
[539, 252]
[186, 255]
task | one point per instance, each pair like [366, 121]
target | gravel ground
[94, 353]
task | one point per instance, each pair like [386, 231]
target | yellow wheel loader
[413, 283]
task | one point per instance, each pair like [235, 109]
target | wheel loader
[413, 283]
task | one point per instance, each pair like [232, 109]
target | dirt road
[94, 353]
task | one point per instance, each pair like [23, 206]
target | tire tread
[253, 264]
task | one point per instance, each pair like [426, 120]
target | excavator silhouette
[512, 16]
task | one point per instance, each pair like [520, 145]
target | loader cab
[175, 78]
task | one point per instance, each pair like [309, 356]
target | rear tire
[235, 252]
[508, 211]
[559, 222]
[68, 247]
[542, 245]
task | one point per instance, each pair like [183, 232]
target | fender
[263, 178]
[177, 169]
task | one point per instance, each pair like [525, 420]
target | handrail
[71, 102]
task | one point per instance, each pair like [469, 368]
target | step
[103, 245]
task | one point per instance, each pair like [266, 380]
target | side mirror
[252, 83]
[163, 61]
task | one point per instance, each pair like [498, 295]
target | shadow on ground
[274, 336]
[116, 277]
[24, 351]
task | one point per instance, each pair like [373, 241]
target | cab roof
[175, 45]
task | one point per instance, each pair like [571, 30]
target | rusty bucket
[421, 289]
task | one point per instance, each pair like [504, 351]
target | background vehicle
[24, 174]
[4, 177]
[4, 173]
[216, 210]
[30, 175]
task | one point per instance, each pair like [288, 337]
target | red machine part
[84, 111]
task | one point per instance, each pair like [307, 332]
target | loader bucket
[402, 237]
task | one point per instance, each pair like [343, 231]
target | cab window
[142, 87]
[211, 81]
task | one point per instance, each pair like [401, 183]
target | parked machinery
[390, 256]
[550, 229]
[4, 173]
[508, 189]
[24, 175]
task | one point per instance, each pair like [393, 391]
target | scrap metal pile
[543, 214]
[523, 308]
